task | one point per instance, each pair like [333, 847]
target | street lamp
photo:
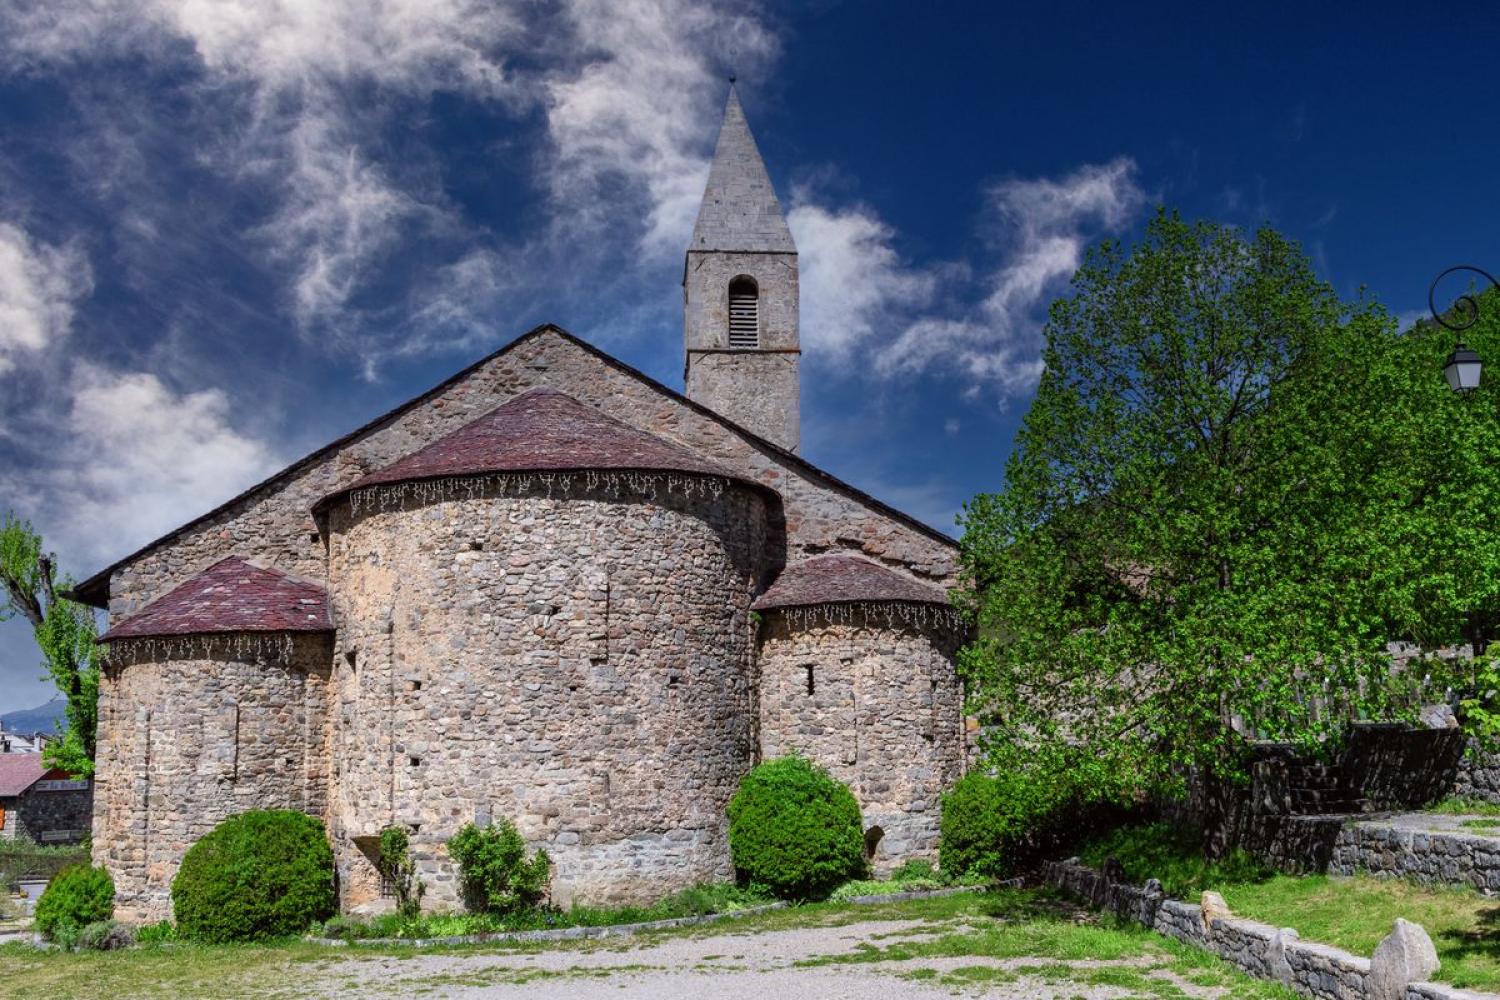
[1464, 366]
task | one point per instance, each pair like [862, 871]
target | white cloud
[1044, 225]
[857, 290]
[645, 108]
[339, 214]
[136, 460]
[629, 91]
[39, 286]
[852, 279]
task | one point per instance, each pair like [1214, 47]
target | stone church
[549, 589]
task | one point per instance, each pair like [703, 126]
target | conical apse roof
[541, 430]
[231, 596]
[843, 579]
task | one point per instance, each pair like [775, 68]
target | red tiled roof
[19, 771]
[540, 430]
[231, 596]
[841, 579]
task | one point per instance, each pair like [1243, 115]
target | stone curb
[559, 934]
[622, 930]
[896, 897]
[1399, 969]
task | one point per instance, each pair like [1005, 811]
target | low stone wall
[1293, 844]
[1397, 971]
[1432, 857]
[1478, 776]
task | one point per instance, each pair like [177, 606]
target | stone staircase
[1321, 790]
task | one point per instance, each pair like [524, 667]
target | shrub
[262, 874]
[975, 828]
[916, 870]
[795, 830]
[157, 933]
[495, 875]
[397, 866]
[76, 897]
[104, 935]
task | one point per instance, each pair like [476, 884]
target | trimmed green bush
[795, 830]
[976, 828]
[77, 896]
[262, 874]
[495, 875]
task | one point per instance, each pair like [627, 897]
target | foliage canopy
[1231, 491]
[65, 631]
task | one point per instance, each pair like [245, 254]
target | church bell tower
[739, 290]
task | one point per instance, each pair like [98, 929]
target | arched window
[744, 313]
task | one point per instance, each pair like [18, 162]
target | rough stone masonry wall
[274, 525]
[1478, 775]
[580, 664]
[1432, 857]
[884, 716]
[1267, 952]
[758, 391]
[50, 817]
[185, 743]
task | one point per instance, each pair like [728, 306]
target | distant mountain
[46, 718]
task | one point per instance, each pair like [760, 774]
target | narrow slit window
[810, 685]
[744, 313]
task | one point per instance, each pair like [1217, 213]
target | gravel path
[735, 966]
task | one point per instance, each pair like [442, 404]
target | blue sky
[232, 231]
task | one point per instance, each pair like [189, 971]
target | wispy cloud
[979, 320]
[628, 91]
[39, 286]
[142, 459]
[852, 278]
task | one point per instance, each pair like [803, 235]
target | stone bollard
[1277, 966]
[1405, 956]
[1214, 908]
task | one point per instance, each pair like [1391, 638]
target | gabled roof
[231, 596]
[95, 589]
[739, 209]
[19, 771]
[843, 579]
[541, 430]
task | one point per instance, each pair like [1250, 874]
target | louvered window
[744, 313]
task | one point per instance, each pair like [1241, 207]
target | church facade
[552, 590]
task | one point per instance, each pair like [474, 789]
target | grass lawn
[1355, 913]
[1007, 935]
[1350, 913]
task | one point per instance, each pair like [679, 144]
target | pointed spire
[740, 210]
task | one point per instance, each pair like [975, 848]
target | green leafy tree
[1181, 550]
[65, 632]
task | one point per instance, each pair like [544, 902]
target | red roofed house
[549, 589]
[41, 803]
